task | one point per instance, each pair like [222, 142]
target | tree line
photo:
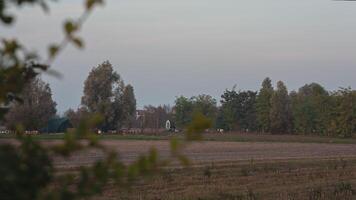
[105, 93]
[309, 110]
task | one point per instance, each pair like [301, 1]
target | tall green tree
[346, 112]
[310, 108]
[238, 110]
[263, 105]
[183, 111]
[280, 112]
[128, 105]
[106, 94]
[36, 109]
[186, 108]
[206, 105]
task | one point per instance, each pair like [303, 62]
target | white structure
[168, 125]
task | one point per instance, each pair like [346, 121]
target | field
[212, 151]
[233, 170]
[287, 179]
[236, 166]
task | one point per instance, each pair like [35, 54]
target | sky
[168, 48]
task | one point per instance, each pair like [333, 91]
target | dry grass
[282, 179]
[233, 170]
[217, 151]
[237, 170]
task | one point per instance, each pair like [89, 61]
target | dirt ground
[202, 152]
[235, 170]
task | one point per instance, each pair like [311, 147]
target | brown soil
[218, 151]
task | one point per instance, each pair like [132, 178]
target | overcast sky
[167, 48]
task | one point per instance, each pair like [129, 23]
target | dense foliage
[106, 94]
[186, 108]
[310, 110]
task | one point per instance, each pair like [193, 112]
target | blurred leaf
[132, 172]
[198, 125]
[174, 144]
[89, 4]
[53, 50]
[153, 156]
[78, 42]
[44, 6]
[6, 19]
[70, 27]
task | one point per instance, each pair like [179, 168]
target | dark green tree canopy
[105, 93]
[310, 109]
[185, 108]
[280, 112]
[238, 110]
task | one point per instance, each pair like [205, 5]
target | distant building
[57, 125]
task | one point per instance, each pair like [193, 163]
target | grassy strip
[213, 137]
[278, 138]
[60, 136]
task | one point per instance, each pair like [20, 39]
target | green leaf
[198, 125]
[89, 4]
[70, 27]
[78, 42]
[53, 50]
[153, 156]
[174, 143]
[93, 139]
[6, 19]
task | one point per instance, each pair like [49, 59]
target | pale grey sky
[167, 48]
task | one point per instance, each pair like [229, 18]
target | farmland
[232, 166]
[212, 151]
[250, 170]
[282, 179]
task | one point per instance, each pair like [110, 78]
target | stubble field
[240, 170]
[297, 168]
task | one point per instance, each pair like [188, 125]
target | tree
[238, 110]
[310, 109]
[75, 117]
[183, 111]
[345, 108]
[26, 167]
[280, 113]
[156, 117]
[128, 105]
[206, 105]
[19, 65]
[263, 105]
[105, 93]
[36, 109]
[186, 108]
